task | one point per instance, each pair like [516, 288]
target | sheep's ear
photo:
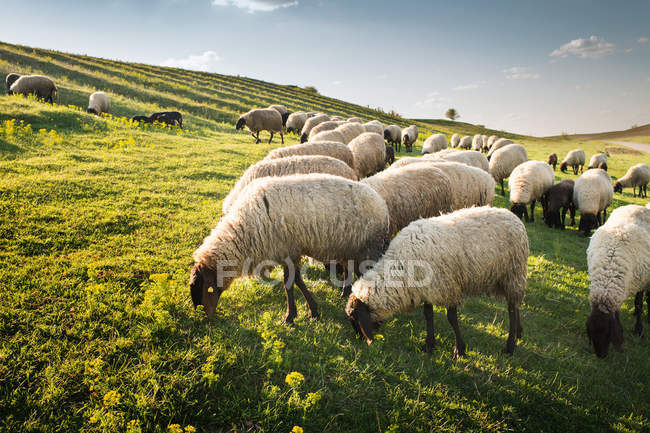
[362, 314]
[196, 286]
[616, 332]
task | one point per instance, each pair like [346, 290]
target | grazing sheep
[575, 158]
[330, 125]
[592, 194]
[484, 145]
[596, 160]
[501, 142]
[355, 120]
[374, 126]
[393, 135]
[390, 155]
[369, 153]
[455, 140]
[284, 113]
[477, 142]
[409, 137]
[350, 131]
[465, 142]
[412, 192]
[10, 79]
[99, 103]
[559, 196]
[334, 149]
[287, 166]
[434, 143]
[39, 85]
[505, 160]
[470, 157]
[296, 121]
[261, 119]
[311, 123]
[491, 140]
[280, 219]
[442, 261]
[637, 175]
[170, 118]
[332, 135]
[528, 183]
[619, 267]
[552, 160]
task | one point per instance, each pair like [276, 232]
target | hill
[637, 131]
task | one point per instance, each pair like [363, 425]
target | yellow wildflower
[294, 379]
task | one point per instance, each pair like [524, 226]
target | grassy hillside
[98, 222]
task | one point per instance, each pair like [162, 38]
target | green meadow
[98, 221]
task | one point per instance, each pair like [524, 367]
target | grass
[98, 222]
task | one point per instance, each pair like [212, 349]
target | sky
[526, 66]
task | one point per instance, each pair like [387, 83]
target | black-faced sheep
[409, 137]
[454, 141]
[10, 79]
[369, 152]
[559, 197]
[43, 87]
[592, 194]
[393, 135]
[637, 175]
[434, 143]
[596, 160]
[296, 121]
[261, 119]
[99, 103]
[170, 118]
[505, 160]
[552, 160]
[575, 159]
[528, 183]
[390, 155]
[311, 123]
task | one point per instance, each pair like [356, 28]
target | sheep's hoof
[288, 319]
[638, 329]
[459, 352]
[510, 348]
[314, 315]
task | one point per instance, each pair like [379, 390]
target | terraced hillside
[98, 221]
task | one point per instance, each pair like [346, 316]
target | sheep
[302, 164]
[552, 160]
[409, 137]
[603, 165]
[329, 125]
[575, 158]
[332, 135]
[390, 155]
[477, 142]
[170, 118]
[491, 140]
[369, 153]
[39, 85]
[465, 142]
[280, 219]
[261, 119]
[592, 194]
[528, 183]
[596, 160]
[434, 143]
[296, 121]
[350, 131]
[284, 112]
[454, 141]
[355, 120]
[501, 142]
[326, 148]
[10, 79]
[310, 123]
[412, 192]
[441, 261]
[393, 135]
[637, 175]
[505, 160]
[374, 126]
[338, 118]
[484, 145]
[470, 157]
[98, 103]
[559, 196]
[618, 264]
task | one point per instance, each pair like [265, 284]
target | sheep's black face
[289, 130]
[618, 187]
[603, 166]
[285, 116]
[588, 222]
[204, 288]
[603, 329]
[518, 209]
[563, 167]
[303, 138]
[359, 315]
[241, 122]
[386, 134]
[92, 111]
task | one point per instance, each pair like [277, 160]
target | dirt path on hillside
[638, 146]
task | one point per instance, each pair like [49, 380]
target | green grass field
[98, 222]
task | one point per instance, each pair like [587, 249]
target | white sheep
[477, 142]
[330, 125]
[311, 123]
[355, 120]
[296, 121]
[592, 194]
[637, 175]
[331, 135]
[442, 261]
[501, 142]
[484, 144]
[505, 160]
[99, 103]
[491, 140]
[261, 119]
[575, 158]
[393, 135]
[369, 152]
[327, 148]
[528, 183]
[350, 131]
[434, 143]
[465, 142]
[619, 268]
[279, 219]
[9, 80]
[39, 85]
[596, 160]
[374, 126]
[470, 157]
[454, 141]
[409, 137]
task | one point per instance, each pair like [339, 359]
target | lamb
[296, 121]
[303, 164]
[552, 160]
[10, 79]
[311, 123]
[596, 160]
[465, 142]
[284, 113]
[505, 160]
[350, 131]
[390, 155]
[619, 267]
[326, 148]
[99, 103]
[637, 175]
[477, 142]
[332, 135]
[412, 192]
[329, 125]
[355, 120]
[529, 182]
[575, 158]
[434, 143]
[501, 142]
[279, 219]
[470, 157]
[393, 135]
[261, 119]
[559, 196]
[592, 194]
[369, 152]
[455, 140]
[409, 137]
[442, 261]
[39, 85]
[170, 118]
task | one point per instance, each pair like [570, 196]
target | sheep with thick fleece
[442, 261]
[10, 79]
[465, 142]
[454, 141]
[284, 112]
[596, 160]
[528, 183]
[99, 103]
[332, 135]
[501, 142]
[637, 175]
[412, 192]
[393, 135]
[619, 268]
[491, 140]
[280, 219]
[330, 125]
[355, 120]
[288, 166]
[409, 137]
[484, 145]
[39, 85]
[350, 131]
[592, 194]
[470, 157]
[477, 142]
[505, 160]
[327, 148]
[296, 121]
[374, 126]
[369, 152]
[576, 159]
[310, 124]
[261, 119]
[434, 143]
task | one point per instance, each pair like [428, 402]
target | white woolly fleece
[593, 191]
[529, 181]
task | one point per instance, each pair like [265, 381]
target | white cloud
[469, 86]
[521, 73]
[434, 99]
[253, 6]
[643, 40]
[592, 48]
[205, 62]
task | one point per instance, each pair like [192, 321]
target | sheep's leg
[564, 210]
[512, 341]
[520, 329]
[647, 301]
[526, 214]
[311, 303]
[638, 312]
[289, 279]
[282, 137]
[532, 211]
[430, 340]
[271, 137]
[572, 209]
[634, 191]
[256, 137]
[503, 192]
[459, 344]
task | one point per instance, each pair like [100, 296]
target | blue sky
[537, 67]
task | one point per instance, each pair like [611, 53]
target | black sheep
[559, 196]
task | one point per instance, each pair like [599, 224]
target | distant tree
[452, 114]
[311, 89]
